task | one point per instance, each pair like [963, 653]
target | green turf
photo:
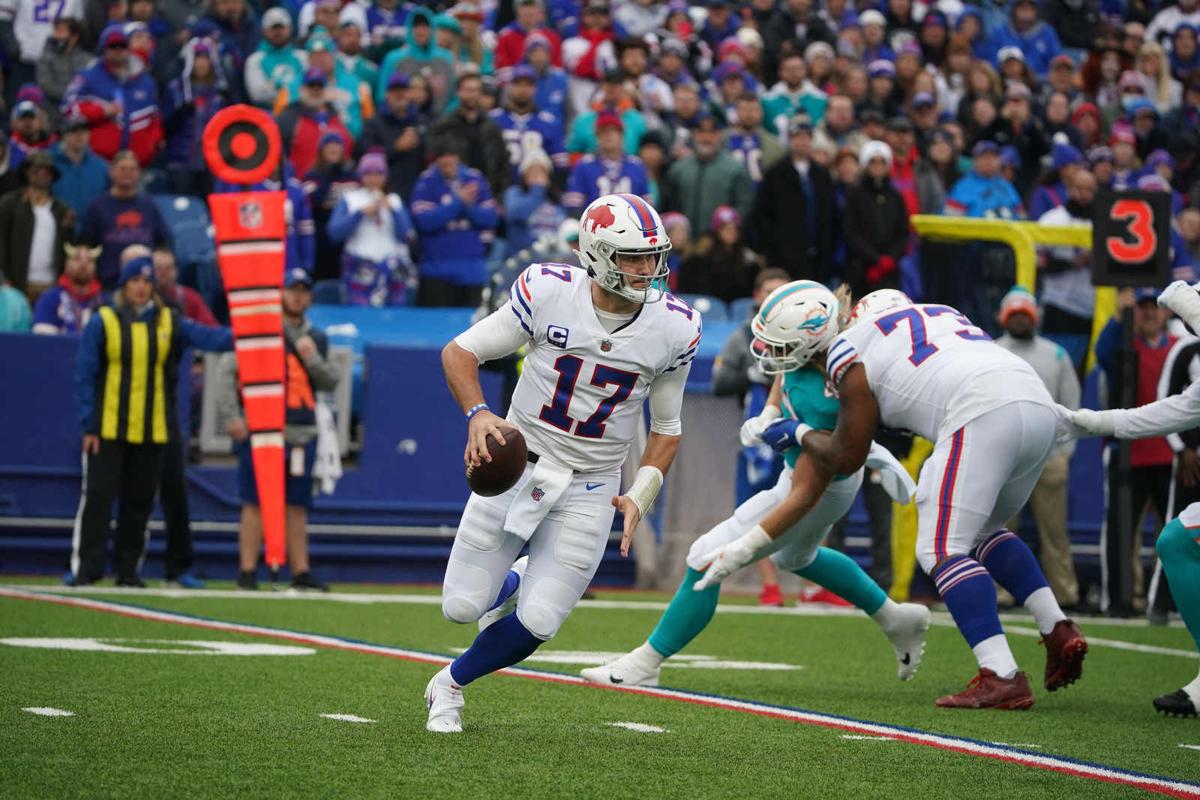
[168, 725]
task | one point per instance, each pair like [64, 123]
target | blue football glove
[781, 435]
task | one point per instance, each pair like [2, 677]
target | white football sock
[1045, 609]
[993, 653]
[648, 656]
[886, 616]
[1193, 691]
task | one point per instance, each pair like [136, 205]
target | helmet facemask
[617, 281]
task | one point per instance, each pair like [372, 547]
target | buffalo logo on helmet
[600, 216]
[250, 215]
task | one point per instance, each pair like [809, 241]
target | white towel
[536, 497]
[327, 466]
[893, 477]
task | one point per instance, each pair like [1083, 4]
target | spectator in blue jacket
[530, 208]
[377, 268]
[983, 192]
[551, 93]
[192, 100]
[1036, 39]
[82, 175]
[456, 218]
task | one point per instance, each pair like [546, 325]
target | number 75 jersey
[581, 391]
[931, 370]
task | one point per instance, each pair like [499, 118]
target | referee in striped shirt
[125, 400]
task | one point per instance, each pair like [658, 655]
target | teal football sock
[688, 614]
[838, 573]
[1180, 554]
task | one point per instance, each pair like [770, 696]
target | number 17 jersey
[931, 370]
[582, 388]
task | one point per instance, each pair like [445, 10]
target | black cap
[900, 124]
[614, 75]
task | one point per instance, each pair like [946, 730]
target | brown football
[508, 462]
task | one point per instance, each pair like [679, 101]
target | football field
[157, 693]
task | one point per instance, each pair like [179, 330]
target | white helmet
[796, 321]
[876, 303]
[618, 224]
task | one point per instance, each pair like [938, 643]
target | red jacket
[138, 126]
[302, 128]
[1151, 357]
[510, 46]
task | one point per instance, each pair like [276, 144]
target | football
[508, 462]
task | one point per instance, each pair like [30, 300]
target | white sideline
[1153, 783]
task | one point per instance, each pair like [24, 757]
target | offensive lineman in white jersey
[927, 369]
[600, 343]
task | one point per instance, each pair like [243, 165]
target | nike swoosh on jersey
[592, 486]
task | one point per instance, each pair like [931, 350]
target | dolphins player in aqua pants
[797, 320]
[1179, 543]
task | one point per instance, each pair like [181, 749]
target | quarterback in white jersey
[33, 21]
[927, 369]
[602, 340]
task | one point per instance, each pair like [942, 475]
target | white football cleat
[510, 603]
[628, 670]
[444, 699]
[908, 638]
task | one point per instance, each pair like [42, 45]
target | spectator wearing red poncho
[304, 122]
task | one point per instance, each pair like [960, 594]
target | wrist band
[473, 410]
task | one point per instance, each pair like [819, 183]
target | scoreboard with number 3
[1131, 239]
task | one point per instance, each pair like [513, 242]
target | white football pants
[798, 546]
[564, 552]
[980, 477]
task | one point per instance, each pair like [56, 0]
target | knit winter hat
[140, 267]
[373, 163]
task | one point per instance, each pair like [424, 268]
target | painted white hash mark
[637, 726]
[1185, 746]
[346, 718]
[46, 711]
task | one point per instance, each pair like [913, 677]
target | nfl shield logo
[250, 215]
[537, 494]
[605, 345]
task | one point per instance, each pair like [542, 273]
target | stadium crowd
[429, 144]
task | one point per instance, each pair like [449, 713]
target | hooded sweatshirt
[413, 58]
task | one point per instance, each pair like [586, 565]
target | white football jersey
[931, 370]
[33, 20]
[581, 391]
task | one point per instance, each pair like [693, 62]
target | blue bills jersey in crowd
[525, 133]
[594, 177]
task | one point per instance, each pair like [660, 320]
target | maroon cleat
[1065, 649]
[989, 690]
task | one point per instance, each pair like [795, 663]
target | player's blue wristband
[473, 410]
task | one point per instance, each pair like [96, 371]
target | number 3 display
[1130, 239]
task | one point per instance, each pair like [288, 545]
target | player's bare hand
[237, 430]
[1189, 467]
[482, 424]
[306, 347]
[91, 443]
[632, 517]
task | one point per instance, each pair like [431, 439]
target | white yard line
[346, 718]
[638, 727]
[46, 711]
